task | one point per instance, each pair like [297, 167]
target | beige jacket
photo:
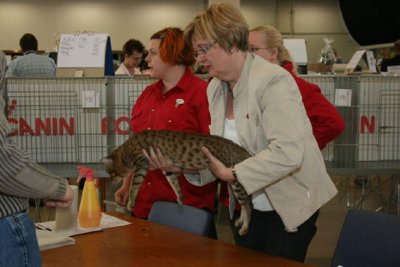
[273, 126]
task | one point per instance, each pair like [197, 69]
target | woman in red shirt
[177, 101]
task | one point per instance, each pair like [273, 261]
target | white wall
[312, 20]
[124, 19]
[258, 12]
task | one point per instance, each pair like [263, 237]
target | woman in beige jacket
[258, 105]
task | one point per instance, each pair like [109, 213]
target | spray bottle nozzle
[86, 172]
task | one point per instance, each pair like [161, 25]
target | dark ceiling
[372, 22]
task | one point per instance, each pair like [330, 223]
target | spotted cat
[183, 149]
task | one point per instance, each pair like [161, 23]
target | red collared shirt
[183, 108]
[327, 124]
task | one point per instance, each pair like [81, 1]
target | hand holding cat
[217, 167]
[167, 154]
[158, 161]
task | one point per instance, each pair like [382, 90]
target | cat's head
[115, 167]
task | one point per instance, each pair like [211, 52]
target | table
[148, 244]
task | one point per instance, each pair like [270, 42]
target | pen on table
[42, 227]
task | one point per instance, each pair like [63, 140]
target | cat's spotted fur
[183, 149]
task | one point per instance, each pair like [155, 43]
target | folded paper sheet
[51, 239]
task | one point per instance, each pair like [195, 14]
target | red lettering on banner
[24, 127]
[48, 126]
[54, 126]
[117, 129]
[104, 126]
[61, 126]
[40, 125]
[64, 125]
[365, 123]
[118, 122]
[13, 121]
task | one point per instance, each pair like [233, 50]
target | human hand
[121, 196]
[63, 202]
[217, 167]
[158, 161]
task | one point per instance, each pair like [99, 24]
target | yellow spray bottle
[89, 214]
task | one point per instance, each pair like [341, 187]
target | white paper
[51, 239]
[297, 49]
[83, 50]
[343, 97]
[107, 221]
[354, 60]
[371, 61]
[72, 231]
[90, 99]
[79, 73]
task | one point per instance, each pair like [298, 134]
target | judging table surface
[147, 244]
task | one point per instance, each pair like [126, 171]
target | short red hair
[173, 49]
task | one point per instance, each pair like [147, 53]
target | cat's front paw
[239, 223]
[244, 220]
[243, 230]
[243, 224]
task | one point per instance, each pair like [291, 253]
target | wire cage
[370, 107]
[367, 154]
[64, 122]
[70, 121]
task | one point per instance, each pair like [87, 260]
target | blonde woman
[258, 105]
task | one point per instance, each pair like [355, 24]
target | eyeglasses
[203, 49]
[255, 49]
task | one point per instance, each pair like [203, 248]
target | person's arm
[121, 196]
[63, 202]
[284, 126]
[225, 173]
[20, 177]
